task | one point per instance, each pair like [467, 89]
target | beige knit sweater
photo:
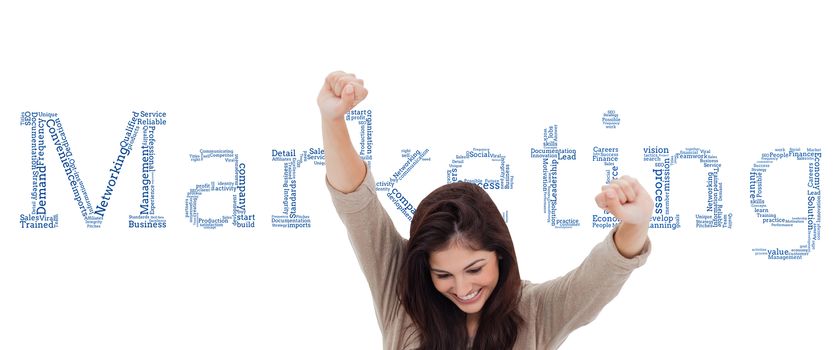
[551, 310]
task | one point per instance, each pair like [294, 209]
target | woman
[454, 284]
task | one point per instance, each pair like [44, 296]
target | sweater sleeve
[378, 246]
[575, 299]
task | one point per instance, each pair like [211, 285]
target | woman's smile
[470, 298]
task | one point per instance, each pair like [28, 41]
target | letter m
[47, 135]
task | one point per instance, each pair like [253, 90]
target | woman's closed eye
[470, 271]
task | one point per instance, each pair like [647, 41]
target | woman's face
[467, 277]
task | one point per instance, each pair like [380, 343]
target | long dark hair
[466, 212]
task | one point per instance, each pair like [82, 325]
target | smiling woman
[455, 284]
[458, 238]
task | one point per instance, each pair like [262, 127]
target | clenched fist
[340, 93]
[626, 199]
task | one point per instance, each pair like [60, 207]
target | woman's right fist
[340, 93]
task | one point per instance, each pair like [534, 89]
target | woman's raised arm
[627, 200]
[377, 244]
[340, 93]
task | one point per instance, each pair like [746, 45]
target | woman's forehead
[458, 256]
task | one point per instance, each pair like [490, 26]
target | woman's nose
[462, 287]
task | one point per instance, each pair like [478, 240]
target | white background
[738, 78]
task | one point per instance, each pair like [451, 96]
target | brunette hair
[465, 212]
